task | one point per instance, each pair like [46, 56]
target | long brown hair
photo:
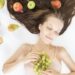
[32, 18]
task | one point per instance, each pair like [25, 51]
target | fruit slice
[13, 27]
[31, 5]
[1, 39]
[2, 2]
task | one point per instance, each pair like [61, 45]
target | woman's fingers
[49, 72]
[31, 57]
[5, 68]
[46, 73]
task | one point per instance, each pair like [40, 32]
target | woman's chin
[48, 40]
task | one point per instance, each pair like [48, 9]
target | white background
[12, 40]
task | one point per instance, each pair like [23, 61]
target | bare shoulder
[60, 51]
[27, 45]
[60, 48]
[25, 48]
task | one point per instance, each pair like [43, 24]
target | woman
[48, 21]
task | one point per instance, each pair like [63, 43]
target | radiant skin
[49, 30]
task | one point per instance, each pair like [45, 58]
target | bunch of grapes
[42, 64]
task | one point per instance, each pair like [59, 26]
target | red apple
[56, 4]
[17, 7]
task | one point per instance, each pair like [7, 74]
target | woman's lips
[49, 38]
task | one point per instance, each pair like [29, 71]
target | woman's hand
[32, 57]
[6, 68]
[50, 72]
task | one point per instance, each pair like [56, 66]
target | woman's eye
[49, 28]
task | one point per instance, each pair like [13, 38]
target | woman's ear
[40, 26]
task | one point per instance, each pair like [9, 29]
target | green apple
[31, 5]
[2, 2]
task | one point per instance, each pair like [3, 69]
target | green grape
[36, 67]
[43, 58]
[42, 64]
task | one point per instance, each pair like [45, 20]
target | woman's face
[50, 29]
